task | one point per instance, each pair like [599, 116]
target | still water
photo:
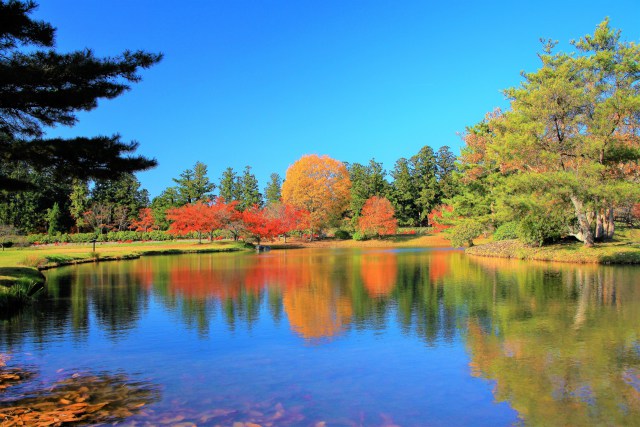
[341, 338]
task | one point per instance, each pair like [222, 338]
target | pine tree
[273, 190]
[54, 219]
[425, 182]
[43, 88]
[229, 185]
[250, 193]
[445, 169]
[403, 193]
[194, 185]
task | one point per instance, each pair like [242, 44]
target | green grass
[11, 275]
[32, 259]
[624, 249]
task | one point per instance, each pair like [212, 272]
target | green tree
[403, 193]
[79, 199]
[273, 190]
[229, 185]
[572, 131]
[445, 170]
[168, 199]
[424, 170]
[54, 219]
[366, 182]
[43, 88]
[194, 185]
[123, 197]
[26, 210]
[248, 190]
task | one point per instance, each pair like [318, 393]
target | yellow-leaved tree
[320, 185]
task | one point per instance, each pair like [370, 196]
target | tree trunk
[599, 236]
[610, 226]
[584, 235]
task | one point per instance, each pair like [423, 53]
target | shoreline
[622, 253]
[609, 253]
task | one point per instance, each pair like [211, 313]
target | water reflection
[559, 341]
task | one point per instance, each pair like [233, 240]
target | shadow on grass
[11, 275]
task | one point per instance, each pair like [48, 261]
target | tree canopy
[566, 152]
[42, 88]
[319, 185]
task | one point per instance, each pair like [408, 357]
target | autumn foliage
[193, 217]
[436, 217]
[259, 225]
[377, 217]
[145, 221]
[205, 217]
[319, 185]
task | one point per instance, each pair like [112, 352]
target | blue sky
[261, 83]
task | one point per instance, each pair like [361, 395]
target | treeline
[62, 206]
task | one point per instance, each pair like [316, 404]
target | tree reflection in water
[559, 341]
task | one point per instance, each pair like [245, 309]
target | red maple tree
[259, 225]
[145, 221]
[194, 217]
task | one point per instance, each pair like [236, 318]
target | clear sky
[261, 83]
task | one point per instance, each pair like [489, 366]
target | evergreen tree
[43, 88]
[26, 210]
[122, 197]
[273, 190]
[54, 218]
[572, 130]
[168, 199]
[249, 190]
[79, 199]
[366, 182]
[403, 193]
[229, 185]
[194, 185]
[425, 182]
[445, 169]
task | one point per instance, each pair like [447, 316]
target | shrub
[536, 230]
[464, 233]
[359, 236]
[342, 234]
[508, 230]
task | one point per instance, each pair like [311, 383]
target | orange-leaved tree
[319, 185]
[145, 221]
[377, 217]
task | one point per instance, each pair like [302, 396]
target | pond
[402, 337]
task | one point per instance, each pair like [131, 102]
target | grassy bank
[621, 251]
[19, 265]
